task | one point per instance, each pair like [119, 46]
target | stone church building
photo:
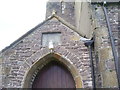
[77, 46]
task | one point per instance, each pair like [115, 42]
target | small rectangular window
[55, 38]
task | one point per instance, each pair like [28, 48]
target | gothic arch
[29, 77]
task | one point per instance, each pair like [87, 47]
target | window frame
[50, 33]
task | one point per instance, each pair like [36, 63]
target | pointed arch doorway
[54, 75]
[46, 66]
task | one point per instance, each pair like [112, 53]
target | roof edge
[67, 24]
[33, 29]
[24, 35]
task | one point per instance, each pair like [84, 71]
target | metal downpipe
[89, 45]
[115, 55]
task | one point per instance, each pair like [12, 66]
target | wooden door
[54, 75]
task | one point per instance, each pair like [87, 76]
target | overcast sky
[19, 16]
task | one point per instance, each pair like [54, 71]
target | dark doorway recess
[54, 75]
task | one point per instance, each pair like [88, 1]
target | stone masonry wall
[113, 12]
[68, 14]
[114, 18]
[0, 71]
[105, 66]
[18, 59]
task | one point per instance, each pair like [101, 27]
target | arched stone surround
[30, 75]
[20, 58]
[79, 66]
[75, 66]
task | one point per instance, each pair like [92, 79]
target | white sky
[19, 16]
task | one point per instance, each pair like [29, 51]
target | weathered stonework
[105, 66]
[23, 59]
[114, 18]
[69, 10]
[18, 59]
[0, 71]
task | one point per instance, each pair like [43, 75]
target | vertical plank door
[54, 75]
